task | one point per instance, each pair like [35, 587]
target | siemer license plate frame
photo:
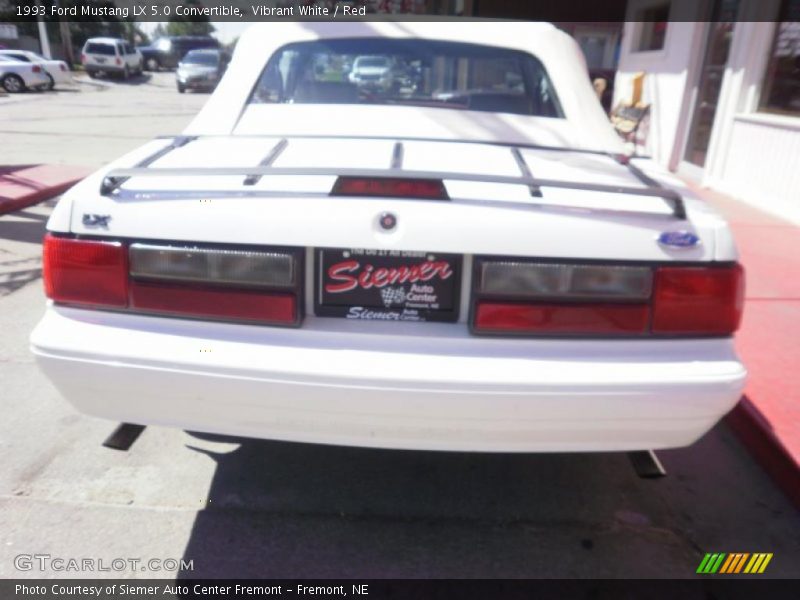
[430, 296]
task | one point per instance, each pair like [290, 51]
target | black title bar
[29, 11]
[700, 588]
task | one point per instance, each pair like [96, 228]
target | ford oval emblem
[678, 239]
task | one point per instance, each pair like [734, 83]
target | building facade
[723, 91]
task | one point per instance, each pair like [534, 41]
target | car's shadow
[133, 80]
[285, 510]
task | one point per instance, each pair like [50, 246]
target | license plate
[100, 60]
[387, 285]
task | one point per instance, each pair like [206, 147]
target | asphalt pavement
[94, 121]
[237, 507]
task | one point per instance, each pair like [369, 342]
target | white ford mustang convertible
[457, 255]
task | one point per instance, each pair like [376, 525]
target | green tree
[79, 31]
[190, 25]
[189, 28]
[159, 31]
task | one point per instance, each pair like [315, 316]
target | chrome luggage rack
[252, 174]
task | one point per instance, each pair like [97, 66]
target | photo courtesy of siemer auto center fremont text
[400, 299]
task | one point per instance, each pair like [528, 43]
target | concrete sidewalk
[768, 417]
[25, 185]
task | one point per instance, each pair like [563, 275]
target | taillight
[698, 300]
[83, 58]
[218, 303]
[36, 69]
[213, 265]
[566, 319]
[537, 298]
[548, 280]
[431, 189]
[253, 285]
[118, 61]
[62, 66]
[85, 272]
[224, 283]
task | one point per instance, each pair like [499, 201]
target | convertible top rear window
[202, 57]
[408, 72]
[100, 48]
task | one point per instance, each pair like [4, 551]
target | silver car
[200, 70]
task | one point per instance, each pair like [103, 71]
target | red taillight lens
[218, 303]
[240, 284]
[565, 319]
[538, 298]
[87, 272]
[252, 285]
[390, 187]
[36, 69]
[118, 61]
[697, 300]
[62, 66]
[83, 58]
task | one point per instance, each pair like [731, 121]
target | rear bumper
[61, 77]
[36, 81]
[106, 68]
[198, 84]
[414, 386]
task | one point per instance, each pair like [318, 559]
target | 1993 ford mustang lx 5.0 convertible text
[456, 255]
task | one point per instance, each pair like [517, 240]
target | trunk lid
[480, 218]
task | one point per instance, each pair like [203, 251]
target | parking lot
[94, 121]
[245, 508]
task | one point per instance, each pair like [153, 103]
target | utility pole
[66, 40]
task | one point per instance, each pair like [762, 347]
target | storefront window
[712, 72]
[653, 31]
[781, 92]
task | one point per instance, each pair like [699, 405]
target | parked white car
[470, 264]
[16, 76]
[56, 71]
[111, 56]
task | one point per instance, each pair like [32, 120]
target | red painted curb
[9, 205]
[25, 185]
[755, 433]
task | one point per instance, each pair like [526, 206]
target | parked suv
[372, 72]
[167, 52]
[111, 55]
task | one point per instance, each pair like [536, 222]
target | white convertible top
[585, 124]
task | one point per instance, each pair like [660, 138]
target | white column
[43, 35]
